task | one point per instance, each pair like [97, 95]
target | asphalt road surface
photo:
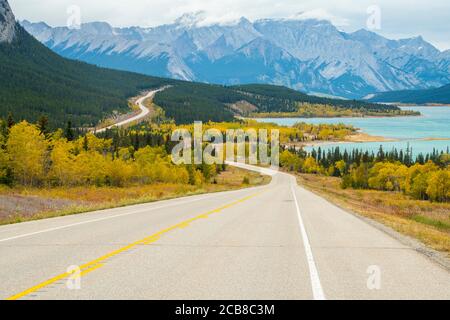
[144, 111]
[271, 242]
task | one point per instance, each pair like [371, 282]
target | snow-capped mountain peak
[191, 20]
[97, 28]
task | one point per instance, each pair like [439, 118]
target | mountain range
[304, 54]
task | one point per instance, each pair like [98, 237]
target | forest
[152, 134]
[31, 156]
[187, 102]
[425, 177]
[270, 96]
[439, 95]
[34, 155]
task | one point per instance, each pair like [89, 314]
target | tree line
[36, 155]
[272, 98]
[425, 177]
[30, 155]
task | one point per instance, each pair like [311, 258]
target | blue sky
[399, 18]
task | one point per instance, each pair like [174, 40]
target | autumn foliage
[426, 178]
[29, 157]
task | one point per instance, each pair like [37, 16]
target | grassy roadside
[426, 221]
[26, 204]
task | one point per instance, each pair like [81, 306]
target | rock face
[7, 22]
[308, 55]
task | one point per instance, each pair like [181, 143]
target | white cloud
[321, 14]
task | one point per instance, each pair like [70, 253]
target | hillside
[431, 96]
[34, 81]
[186, 102]
[268, 94]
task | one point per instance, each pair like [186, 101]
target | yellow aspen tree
[90, 168]
[311, 166]
[62, 169]
[93, 143]
[341, 165]
[439, 186]
[3, 164]
[3, 158]
[119, 172]
[27, 149]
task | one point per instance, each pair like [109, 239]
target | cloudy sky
[399, 18]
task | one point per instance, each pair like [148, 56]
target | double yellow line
[98, 263]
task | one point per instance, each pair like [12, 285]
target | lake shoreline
[294, 116]
[358, 137]
[427, 105]
[421, 134]
[365, 138]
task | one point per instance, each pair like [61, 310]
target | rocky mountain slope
[7, 22]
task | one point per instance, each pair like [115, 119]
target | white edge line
[124, 214]
[314, 274]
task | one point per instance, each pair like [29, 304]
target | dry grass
[25, 204]
[426, 221]
[235, 177]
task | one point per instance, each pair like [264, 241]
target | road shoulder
[435, 256]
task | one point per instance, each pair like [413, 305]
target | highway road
[144, 111]
[278, 241]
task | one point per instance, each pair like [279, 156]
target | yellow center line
[84, 272]
[99, 262]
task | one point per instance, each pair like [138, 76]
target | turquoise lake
[434, 123]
